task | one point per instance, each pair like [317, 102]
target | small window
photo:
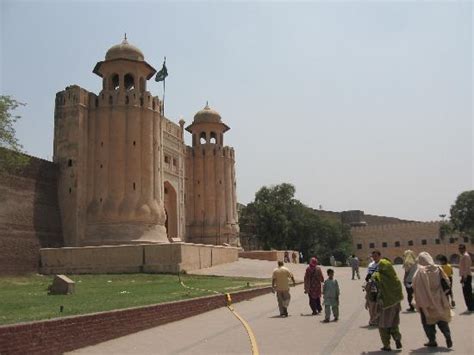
[166, 190]
[397, 244]
[213, 139]
[424, 242]
[114, 82]
[410, 242]
[129, 82]
[372, 245]
[451, 240]
[437, 241]
[134, 143]
[69, 162]
[70, 190]
[111, 100]
[384, 244]
[134, 186]
[465, 239]
[127, 100]
[167, 159]
[175, 162]
[202, 138]
[359, 246]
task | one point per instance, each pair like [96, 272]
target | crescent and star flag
[162, 74]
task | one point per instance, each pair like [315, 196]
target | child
[331, 296]
[448, 270]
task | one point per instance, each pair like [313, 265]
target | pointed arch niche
[171, 208]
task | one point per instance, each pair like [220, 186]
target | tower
[109, 150]
[211, 205]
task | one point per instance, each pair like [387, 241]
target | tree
[282, 222]
[462, 213]
[10, 149]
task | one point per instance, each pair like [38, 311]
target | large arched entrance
[171, 208]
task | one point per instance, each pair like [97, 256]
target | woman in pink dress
[312, 285]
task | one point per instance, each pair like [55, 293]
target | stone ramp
[261, 269]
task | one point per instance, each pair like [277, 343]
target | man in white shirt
[465, 273]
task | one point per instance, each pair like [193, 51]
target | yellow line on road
[253, 340]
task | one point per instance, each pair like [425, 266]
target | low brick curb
[59, 335]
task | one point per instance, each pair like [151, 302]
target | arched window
[194, 139]
[114, 82]
[129, 82]
[202, 138]
[213, 139]
[142, 84]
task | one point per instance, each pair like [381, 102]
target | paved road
[219, 332]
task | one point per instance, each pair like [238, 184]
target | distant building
[392, 236]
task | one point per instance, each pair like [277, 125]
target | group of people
[314, 286]
[428, 287]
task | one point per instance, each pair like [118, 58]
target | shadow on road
[425, 350]
[378, 352]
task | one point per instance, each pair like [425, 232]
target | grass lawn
[25, 298]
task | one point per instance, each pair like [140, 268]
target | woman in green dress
[388, 303]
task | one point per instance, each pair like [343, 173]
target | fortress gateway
[126, 175]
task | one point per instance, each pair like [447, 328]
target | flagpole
[164, 89]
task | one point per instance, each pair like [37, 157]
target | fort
[122, 175]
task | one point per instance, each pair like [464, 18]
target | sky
[359, 104]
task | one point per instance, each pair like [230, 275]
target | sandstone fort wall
[29, 216]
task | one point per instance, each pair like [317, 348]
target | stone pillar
[210, 183]
[132, 163]
[228, 184]
[220, 190]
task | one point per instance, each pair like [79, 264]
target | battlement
[394, 226]
[171, 128]
[71, 96]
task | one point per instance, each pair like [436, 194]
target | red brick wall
[29, 216]
[65, 334]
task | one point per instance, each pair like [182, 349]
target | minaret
[211, 188]
[119, 149]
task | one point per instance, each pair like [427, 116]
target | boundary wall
[270, 255]
[151, 258]
[29, 215]
[60, 335]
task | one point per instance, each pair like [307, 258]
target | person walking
[331, 297]
[370, 289]
[465, 273]
[280, 284]
[389, 297]
[448, 270]
[410, 266]
[431, 299]
[313, 278]
[354, 260]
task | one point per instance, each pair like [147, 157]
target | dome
[207, 114]
[124, 50]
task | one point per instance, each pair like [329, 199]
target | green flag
[162, 74]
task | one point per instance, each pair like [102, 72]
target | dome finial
[207, 105]
[125, 36]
